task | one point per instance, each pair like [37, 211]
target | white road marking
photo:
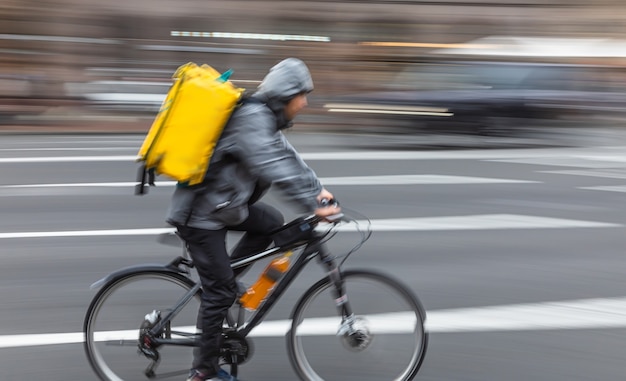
[70, 149]
[599, 313]
[536, 156]
[618, 158]
[84, 185]
[350, 180]
[65, 159]
[574, 314]
[16, 341]
[48, 140]
[617, 188]
[88, 233]
[415, 179]
[565, 161]
[429, 155]
[606, 173]
[470, 222]
[477, 222]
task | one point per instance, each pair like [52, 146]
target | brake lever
[334, 218]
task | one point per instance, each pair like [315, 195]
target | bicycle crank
[235, 349]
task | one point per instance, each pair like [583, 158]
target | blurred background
[488, 67]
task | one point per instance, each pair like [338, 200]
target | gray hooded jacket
[251, 155]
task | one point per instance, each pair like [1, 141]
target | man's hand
[326, 210]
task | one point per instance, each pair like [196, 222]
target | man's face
[294, 106]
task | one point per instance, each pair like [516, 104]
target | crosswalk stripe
[617, 188]
[576, 314]
[470, 222]
[606, 173]
[478, 222]
[564, 161]
[532, 155]
[416, 179]
[65, 159]
[348, 180]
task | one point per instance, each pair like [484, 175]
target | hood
[285, 80]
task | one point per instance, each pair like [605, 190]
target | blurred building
[51, 49]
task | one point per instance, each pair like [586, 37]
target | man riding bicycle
[251, 155]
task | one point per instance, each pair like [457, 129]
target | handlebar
[334, 218]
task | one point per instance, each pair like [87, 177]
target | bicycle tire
[118, 311]
[318, 353]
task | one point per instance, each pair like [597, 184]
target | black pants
[208, 251]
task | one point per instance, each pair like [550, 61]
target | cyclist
[251, 155]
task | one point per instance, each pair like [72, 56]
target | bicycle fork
[353, 331]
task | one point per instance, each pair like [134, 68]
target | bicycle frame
[312, 248]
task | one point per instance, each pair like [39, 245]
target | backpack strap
[144, 176]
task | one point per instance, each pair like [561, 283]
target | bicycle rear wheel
[117, 314]
[388, 340]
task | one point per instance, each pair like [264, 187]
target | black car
[484, 97]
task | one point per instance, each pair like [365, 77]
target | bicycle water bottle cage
[295, 231]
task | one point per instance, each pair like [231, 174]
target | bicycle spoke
[383, 340]
[117, 319]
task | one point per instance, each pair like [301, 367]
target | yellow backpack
[184, 133]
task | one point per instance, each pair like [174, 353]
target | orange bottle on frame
[259, 290]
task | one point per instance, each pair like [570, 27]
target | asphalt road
[516, 253]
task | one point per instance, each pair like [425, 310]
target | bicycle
[351, 324]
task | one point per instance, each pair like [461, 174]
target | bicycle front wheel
[385, 338]
[116, 319]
